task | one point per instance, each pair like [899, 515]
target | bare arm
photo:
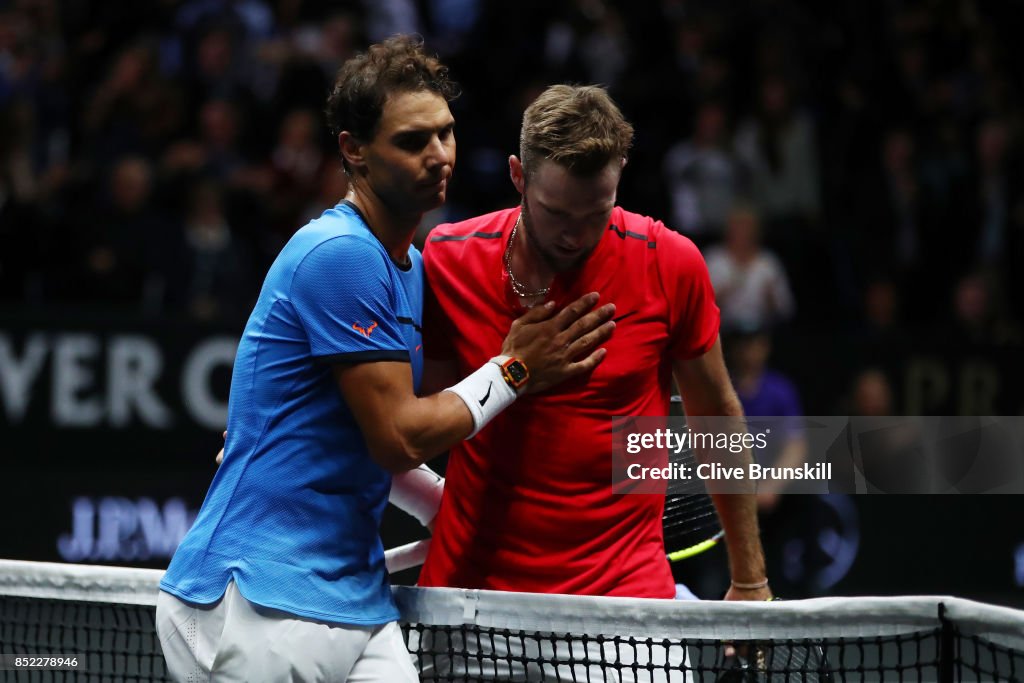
[707, 390]
[402, 430]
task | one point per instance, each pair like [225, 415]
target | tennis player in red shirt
[529, 504]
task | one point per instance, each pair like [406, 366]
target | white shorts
[235, 640]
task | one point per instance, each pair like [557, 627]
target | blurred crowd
[847, 166]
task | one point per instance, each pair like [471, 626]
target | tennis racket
[690, 521]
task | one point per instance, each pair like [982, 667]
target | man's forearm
[735, 501]
[707, 391]
[738, 514]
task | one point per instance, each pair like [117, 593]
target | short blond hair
[576, 126]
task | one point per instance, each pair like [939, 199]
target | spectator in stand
[871, 395]
[703, 177]
[206, 272]
[889, 230]
[216, 70]
[979, 317]
[766, 392]
[779, 147]
[998, 193]
[133, 111]
[23, 253]
[117, 243]
[880, 332]
[217, 152]
[750, 283]
[997, 209]
[297, 162]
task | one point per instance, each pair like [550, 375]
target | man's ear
[515, 171]
[351, 151]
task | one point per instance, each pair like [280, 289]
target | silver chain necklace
[518, 287]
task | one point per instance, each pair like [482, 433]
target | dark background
[155, 155]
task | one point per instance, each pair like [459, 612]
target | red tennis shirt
[528, 503]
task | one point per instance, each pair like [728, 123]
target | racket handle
[406, 556]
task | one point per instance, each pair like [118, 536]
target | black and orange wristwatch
[514, 371]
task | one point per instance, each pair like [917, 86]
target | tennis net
[103, 617]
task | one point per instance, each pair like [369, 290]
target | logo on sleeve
[487, 395]
[365, 331]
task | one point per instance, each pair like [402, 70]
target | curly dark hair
[364, 82]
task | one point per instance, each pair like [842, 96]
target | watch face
[517, 371]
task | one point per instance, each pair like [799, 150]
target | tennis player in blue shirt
[282, 577]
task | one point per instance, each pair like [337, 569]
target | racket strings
[688, 521]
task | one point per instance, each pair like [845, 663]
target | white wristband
[485, 393]
[418, 492]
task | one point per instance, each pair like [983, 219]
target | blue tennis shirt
[293, 512]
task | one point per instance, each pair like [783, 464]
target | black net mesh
[115, 643]
[118, 642]
[461, 653]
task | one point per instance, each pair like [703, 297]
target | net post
[947, 648]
